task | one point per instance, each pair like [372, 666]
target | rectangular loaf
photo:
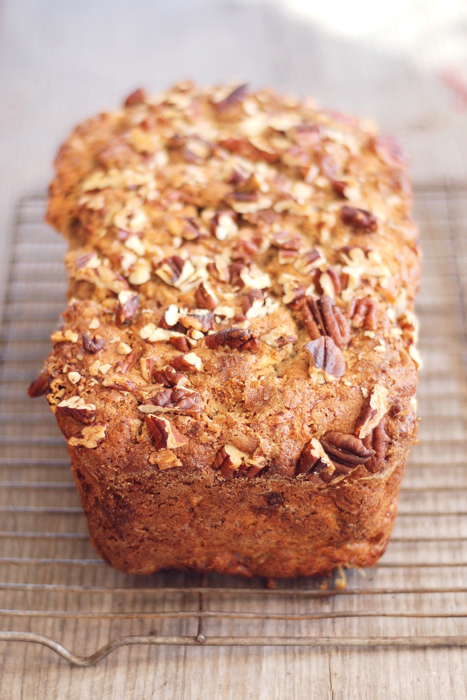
[236, 373]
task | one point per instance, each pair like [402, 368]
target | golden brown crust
[236, 372]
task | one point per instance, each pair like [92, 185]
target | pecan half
[164, 434]
[359, 218]
[175, 399]
[322, 317]
[363, 313]
[239, 338]
[378, 441]
[205, 297]
[93, 344]
[345, 451]
[39, 386]
[326, 356]
[228, 460]
[127, 308]
[77, 408]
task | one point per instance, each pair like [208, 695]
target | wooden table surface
[63, 61]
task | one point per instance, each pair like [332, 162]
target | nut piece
[173, 399]
[77, 408]
[39, 386]
[181, 342]
[205, 297]
[359, 219]
[136, 98]
[378, 441]
[325, 355]
[164, 434]
[169, 377]
[363, 313]
[165, 459]
[314, 460]
[233, 99]
[129, 303]
[228, 460]
[322, 317]
[239, 338]
[372, 412]
[93, 435]
[93, 344]
[189, 362]
[345, 451]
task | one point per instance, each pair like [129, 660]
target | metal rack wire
[56, 592]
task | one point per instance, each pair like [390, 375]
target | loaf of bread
[236, 373]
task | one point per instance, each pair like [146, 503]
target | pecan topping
[326, 356]
[323, 317]
[228, 460]
[205, 297]
[93, 344]
[171, 269]
[254, 298]
[363, 313]
[147, 368]
[345, 451]
[93, 435]
[314, 460]
[240, 338]
[328, 282]
[182, 343]
[377, 441]
[200, 322]
[77, 408]
[127, 308]
[136, 98]
[174, 399]
[39, 386]
[164, 434]
[372, 412]
[119, 383]
[232, 99]
[169, 377]
[190, 362]
[359, 218]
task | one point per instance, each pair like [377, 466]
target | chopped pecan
[175, 399]
[164, 434]
[323, 317]
[182, 343]
[234, 274]
[328, 282]
[205, 297]
[127, 308]
[345, 451]
[372, 412]
[171, 268]
[363, 313]
[190, 362]
[130, 360]
[378, 441]
[244, 251]
[254, 297]
[169, 377]
[326, 356]
[228, 460]
[199, 321]
[359, 218]
[239, 338]
[77, 408]
[233, 99]
[39, 386]
[245, 148]
[165, 459]
[136, 98]
[314, 460]
[93, 435]
[93, 344]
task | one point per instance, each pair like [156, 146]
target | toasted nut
[169, 377]
[240, 338]
[136, 98]
[205, 297]
[147, 368]
[359, 219]
[74, 377]
[164, 434]
[228, 460]
[129, 304]
[92, 345]
[123, 349]
[173, 399]
[93, 435]
[372, 412]
[325, 355]
[77, 408]
[189, 362]
[165, 459]
[39, 386]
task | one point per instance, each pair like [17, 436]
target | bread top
[242, 270]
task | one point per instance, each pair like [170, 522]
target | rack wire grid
[55, 591]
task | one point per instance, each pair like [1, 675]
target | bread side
[236, 372]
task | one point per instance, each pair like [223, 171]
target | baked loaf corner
[236, 373]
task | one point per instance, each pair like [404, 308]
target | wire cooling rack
[55, 591]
